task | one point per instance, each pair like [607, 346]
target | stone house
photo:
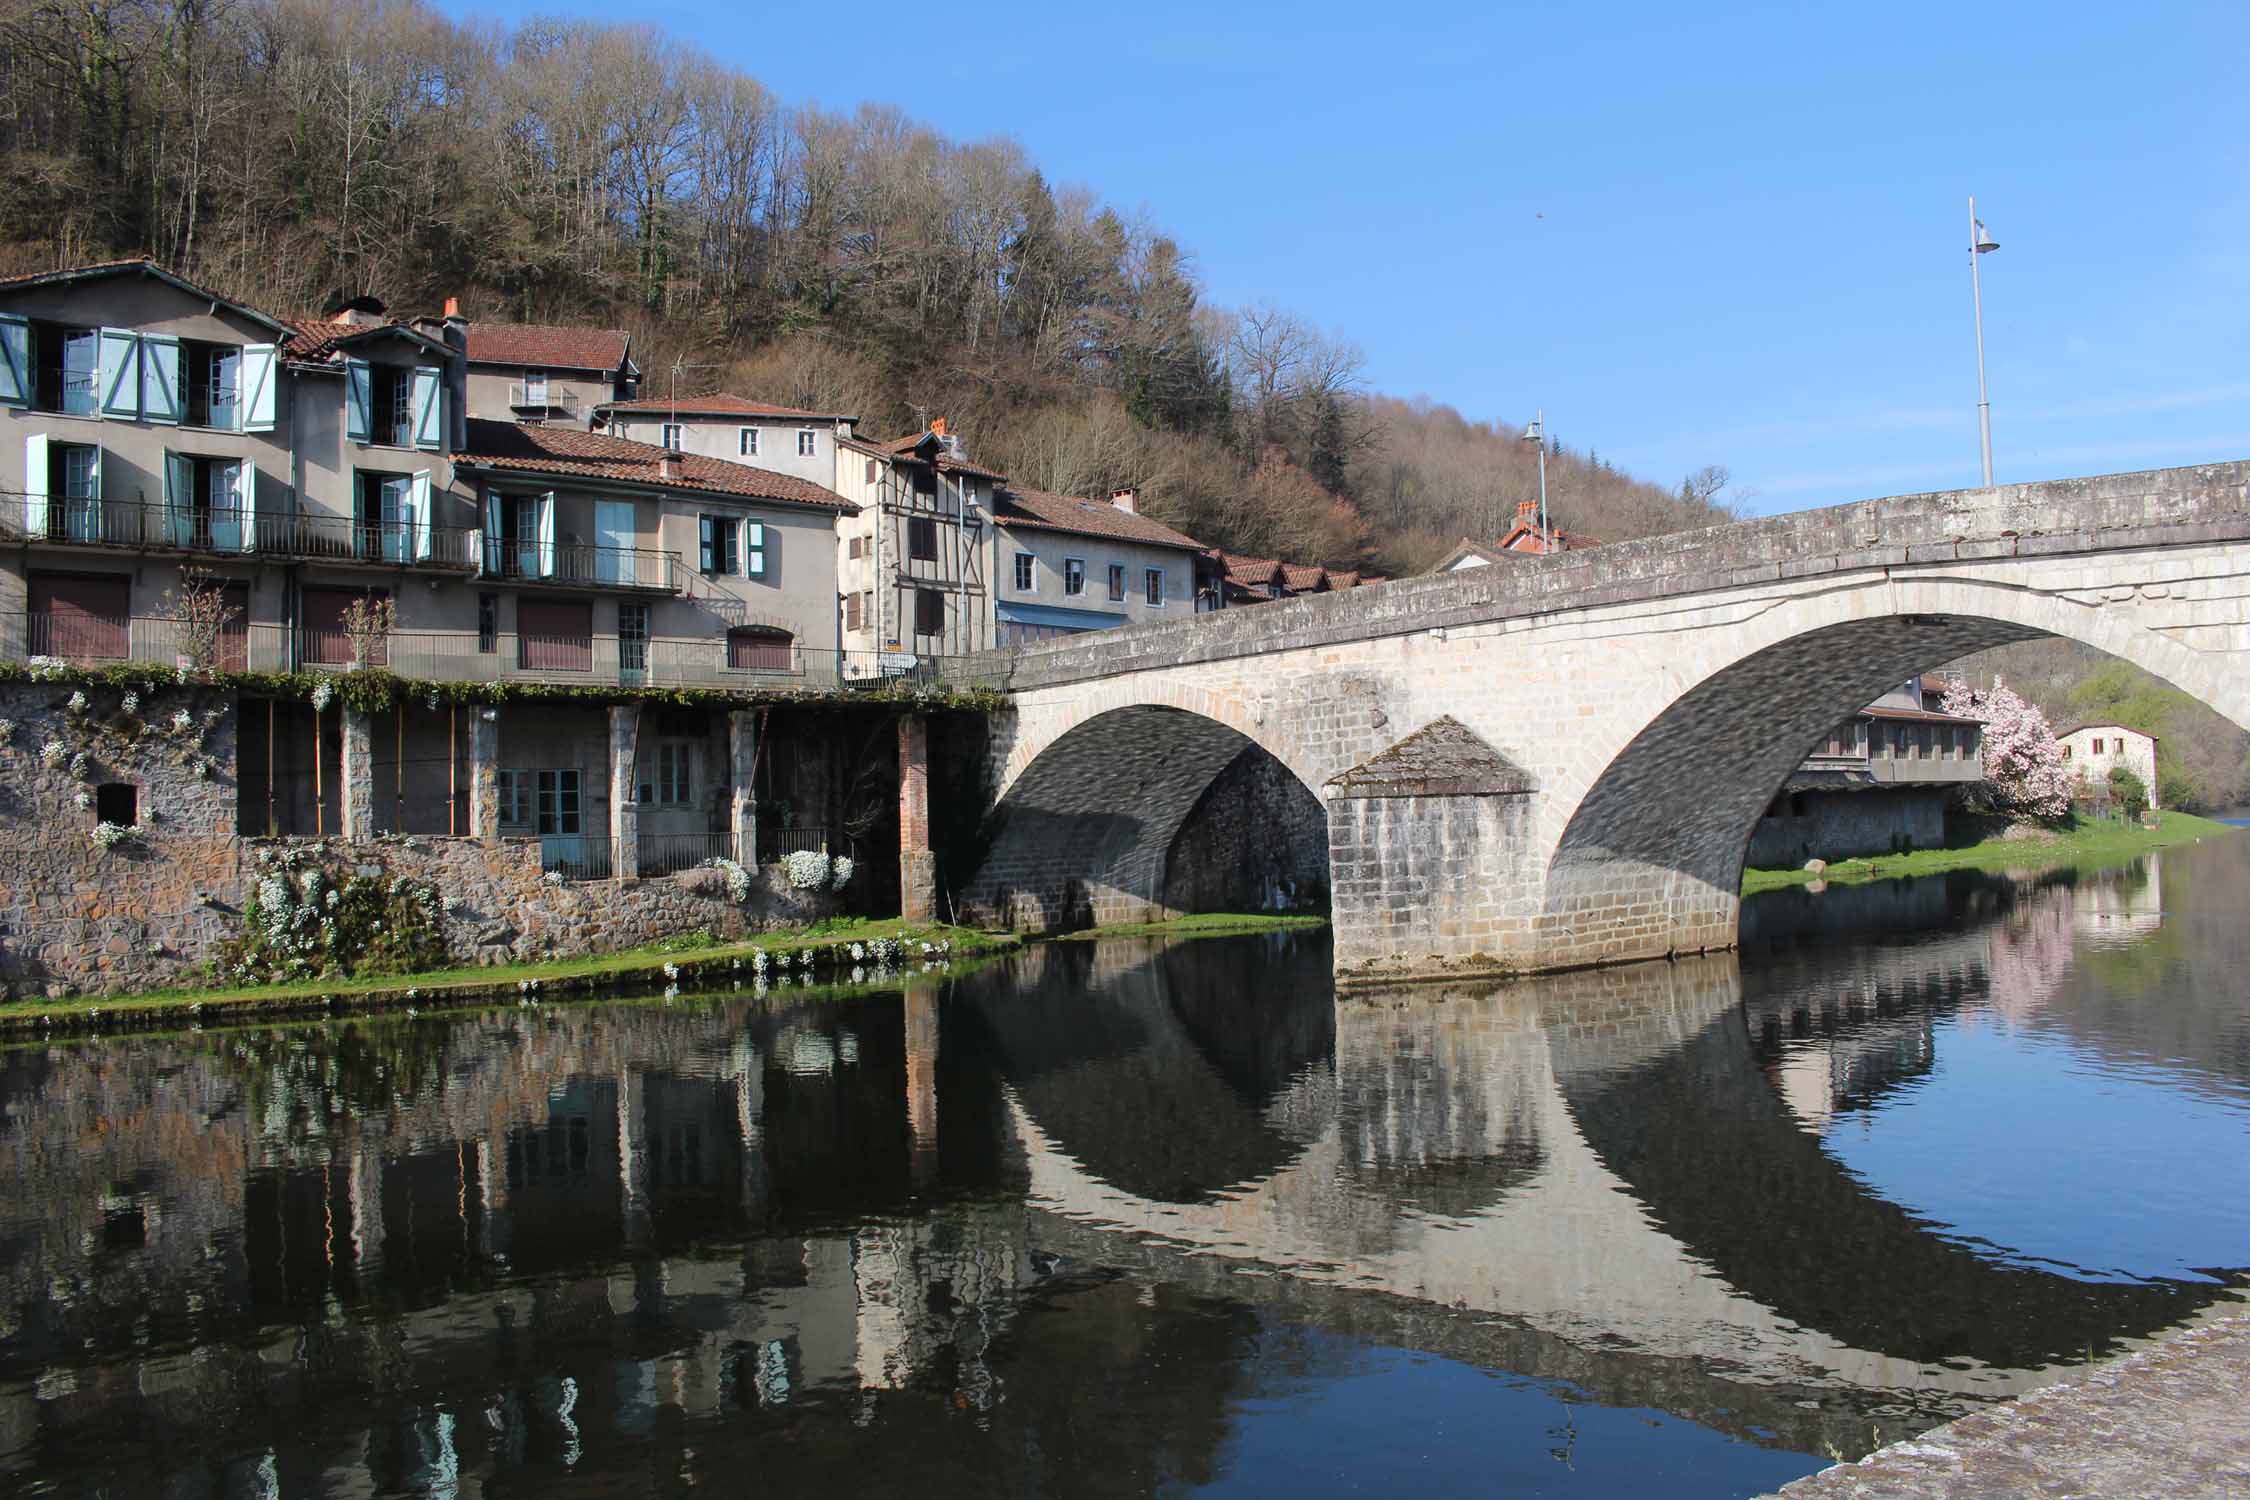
[736, 428]
[544, 372]
[1878, 784]
[2091, 751]
[1064, 565]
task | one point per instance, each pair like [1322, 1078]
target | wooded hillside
[287, 151]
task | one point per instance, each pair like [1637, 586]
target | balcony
[583, 565]
[544, 399]
[135, 526]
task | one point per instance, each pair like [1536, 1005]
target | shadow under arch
[1084, 833]
[1667, 822]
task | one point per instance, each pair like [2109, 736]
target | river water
[1128, 1217]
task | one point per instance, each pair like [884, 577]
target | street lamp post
[1981, 243]
[1537, 433]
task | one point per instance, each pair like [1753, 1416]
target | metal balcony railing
[105, 639]
[670, 853]
[775, 844]
[141, 527]
[583, 565]
[548, 397]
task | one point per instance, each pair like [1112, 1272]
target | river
[1129, 1216]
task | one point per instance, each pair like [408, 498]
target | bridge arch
[1657, 823]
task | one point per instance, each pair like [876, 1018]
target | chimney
[1126, 500]
[937, 426]
[1527, 513]
[453, 307]
[668, 464]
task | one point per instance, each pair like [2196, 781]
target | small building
[1236, 579]
[1879, 784]
[1526, 538]
[2091, 751]
[544, 372]
[784, 439]
[911, 558]
[1066, 565]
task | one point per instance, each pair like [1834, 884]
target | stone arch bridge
[1559, 761]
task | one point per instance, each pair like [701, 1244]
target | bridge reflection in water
[717, 1239]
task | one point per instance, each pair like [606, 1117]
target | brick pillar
[624, 812]
[484, 774]
[358, 776]
[917, 866]
[742, 761]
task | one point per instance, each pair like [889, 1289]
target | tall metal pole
[1976, 292]
[1543, 532]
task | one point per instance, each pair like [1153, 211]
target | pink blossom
[2023, 765]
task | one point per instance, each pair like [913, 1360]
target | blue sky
[1694, 234]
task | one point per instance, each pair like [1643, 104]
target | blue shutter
[260, 378]
[429, 407]
[359, 400]
[179, 499]
[547, 535]
[160, 377]
[710, 538]
[493, 540]
[246, 503]
[421, 502]
[120, 366]
[754, 549]
[35, 460]
[15, 360]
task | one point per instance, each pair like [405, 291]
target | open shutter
[121, 373]
[359, 400]
[707, 536]
[429, 407]
[492, 535]
[246, 503]
[547, 535]
[160, 378]
[420, 500]
[259, 380]
[35, 485]
[754, 549]
[179, 500]
[15, 360]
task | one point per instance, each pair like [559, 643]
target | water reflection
[1127, 1216]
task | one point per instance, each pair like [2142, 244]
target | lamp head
[1532, 432]
[1982, 241]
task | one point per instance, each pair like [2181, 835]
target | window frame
[1027, 573]
[1118, 575]
[746, 442]
[718, 555]
[922, 599]
[921, 529]
[671, 436]
[671, 776]
[808, 442]
[1152, 583]
[1074, 583]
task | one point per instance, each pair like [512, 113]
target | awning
[1057, 617]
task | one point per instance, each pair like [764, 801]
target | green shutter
[160, 378]
[429, 407]
[261, 377]
[359, 400]
[15, 360]
[120, 367]
[179, 499]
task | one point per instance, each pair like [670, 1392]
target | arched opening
[1148, 812]
[1665, 827]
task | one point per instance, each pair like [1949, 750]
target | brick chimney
[669, 464]
[1527, 513]
[937, 426]
[1127, 500]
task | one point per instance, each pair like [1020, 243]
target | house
[546, 372]
[2091, 751]
[1879, 783]
[1471, 554]
[912, 556]
[781, 438]
[1238, 579]
[1523, 539]
[1065, 565]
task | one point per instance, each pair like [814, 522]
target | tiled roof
[1040, 511]
[1914, 716]
[150, 267]
[1251, 570]
[2064, 734]
[950, 463]
[547, 345]
[722, 405]
[1565, 541]
[1304, 577]
[594, 455]
[317, 341]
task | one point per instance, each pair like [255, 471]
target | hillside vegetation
[287, 151]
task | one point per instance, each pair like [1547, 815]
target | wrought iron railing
[77, 636]
[779, 843]
[143, 527]
[547, 397]
[670, 853]
[583, 564]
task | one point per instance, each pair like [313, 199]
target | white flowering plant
[46, 668]
[323, 694]
[840, 872]
[807, 869]
[739, 881]
[131, 703]
[182, 720]
[110, 835]
[84, 799]
[54, 753]
[77, 703]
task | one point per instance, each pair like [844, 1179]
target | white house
[2092, 751]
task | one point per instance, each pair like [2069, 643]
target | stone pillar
[357, 820]
[917, 866]
[484, 774]
[742, 763]
[624, 812]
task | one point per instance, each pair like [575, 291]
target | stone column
[484, 774]
[358, 776]
[742, 763]
[624, 812]
[917, 866]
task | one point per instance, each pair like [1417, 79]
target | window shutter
[547, 535]
[35, 485]
[246, 503]
[708, 536]
[15, 360]
[493, 540]
[160, 378]
[429, 407]
[259, 378]
[94, 490]
[179, 504]
[421, 504]
[121, 373]
[359, 399]
[754, 553]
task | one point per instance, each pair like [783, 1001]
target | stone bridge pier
[1556, 762]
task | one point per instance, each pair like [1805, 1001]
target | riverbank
[1202, 924]
[687, 961]
[2087, 844]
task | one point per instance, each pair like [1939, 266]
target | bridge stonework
[1653, 695]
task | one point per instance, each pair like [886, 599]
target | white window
[1155, 577]
[669, 780]
[749, 442]
[805, 447]
[1025, 563]
[535, 387]
[1074, 576]
[671, 435]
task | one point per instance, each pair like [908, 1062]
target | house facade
[545, 372]
[912, 558]
[2091, 751]
[1066, 565]
[737, 429]
[1879, 784]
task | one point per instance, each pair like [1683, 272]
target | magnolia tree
[2023, 765]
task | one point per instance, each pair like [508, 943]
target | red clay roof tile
[536, 449]
[548, 345]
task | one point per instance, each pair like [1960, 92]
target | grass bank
[1202, 924]
[2085, 845]
[686, 960]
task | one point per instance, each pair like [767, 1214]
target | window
[671, 435]
[554, 637]
[79, 372]
[871, 471]
[921, 539]
[515, 798]
[929, 612]
[390, 405]
[806, 447]
[851, 612]
[760, 650]
[384, 507]
[632, 637]
[1024, 576]
[488, 623]
[669, 781]
[753, 549]
[555, 801]
[2097, 747]
[117, 803]
[214, 386]
[747, 442]
[326, 640]
[535, 387]
[1117, 583]
[856, 547]
[1074, 576]
[1155, 579]
[2066, 752]
[79, 616]
[721, 542]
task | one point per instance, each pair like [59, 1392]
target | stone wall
[1256, 841]
[1842, 825]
